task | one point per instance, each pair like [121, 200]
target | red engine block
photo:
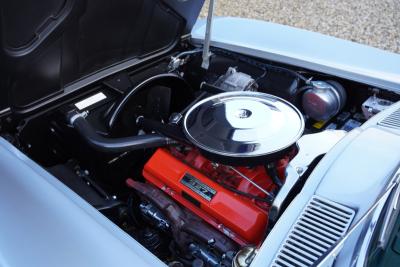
[215, 192]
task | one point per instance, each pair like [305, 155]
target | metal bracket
[206, 46]
[310, 147]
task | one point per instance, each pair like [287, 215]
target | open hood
[47, 46]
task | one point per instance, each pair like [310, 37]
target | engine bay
[193, 163]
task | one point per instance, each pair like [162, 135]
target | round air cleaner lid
[243, 124]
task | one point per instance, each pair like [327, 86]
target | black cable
[261, 76]
[228, 187]
[272, 172]
[132, 204]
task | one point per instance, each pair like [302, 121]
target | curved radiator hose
[114, 145]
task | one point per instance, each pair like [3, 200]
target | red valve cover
[241, 218]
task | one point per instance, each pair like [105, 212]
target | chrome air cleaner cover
[238, 128]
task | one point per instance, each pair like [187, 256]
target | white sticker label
[90, 101]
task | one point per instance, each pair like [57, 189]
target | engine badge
[198, 186]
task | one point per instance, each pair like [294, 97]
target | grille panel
[320, 225]
[391, 121]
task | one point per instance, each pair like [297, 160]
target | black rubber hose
[115, 145]
[271, 171]
[170, 130]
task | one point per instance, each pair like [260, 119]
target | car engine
[194, 164]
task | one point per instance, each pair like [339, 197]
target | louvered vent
[317, 229]
[392, 121]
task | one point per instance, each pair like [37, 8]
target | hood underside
[44, 48]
